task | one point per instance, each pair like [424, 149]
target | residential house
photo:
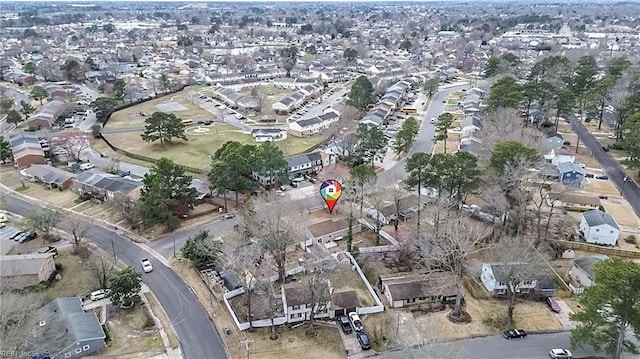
[571, 174]
[328, 230]
[26, 149]
[495, 279]
[312, 90]
[304, 164]
[573, 200]
[105, 186]
[52, 177]
[267, 134]
[66, 331]
[555, 140]
[471, 145]
[314, 125]
[344, 301]
[402, 289]
[297, 300]
[582, 270]
[47, 114]
[470, 124]
[598, 227]
[56, 90]
[27, 270]
[406, 207]
[235, 100]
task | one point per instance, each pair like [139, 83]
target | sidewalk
[170, 353]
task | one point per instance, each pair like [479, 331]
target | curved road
[196, 333]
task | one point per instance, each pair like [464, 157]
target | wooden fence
[600, 249]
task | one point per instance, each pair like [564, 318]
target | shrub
[631, 239]
[148, 320]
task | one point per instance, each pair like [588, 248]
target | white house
[599, 228]
[297, 301]
[582, 270]
[495, 279]
[402, 289]
[311, 126]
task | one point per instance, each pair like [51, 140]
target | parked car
[356, 323]
[560, 354]
[603, 196]
[228, 216]
[343, 321]
[363, 339]
[602, 177]
[86, 166]
[146, 265]
[21, 237]
[16, 235]
[605, 149]
[514, 333]
[99, 294]
[553, 305]
[27, 237]
[589, 175]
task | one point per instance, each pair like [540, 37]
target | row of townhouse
[47, 114]
[314, 125]
[392, 98]
[298, 98]
[305, 164]
[28, 149]
[471, 123]
[234, 100]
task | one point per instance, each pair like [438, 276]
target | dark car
[589, 175]
[364, 340]
[605, 149]
[343, 321]
[514, 333]
[553, 305]
[27, 237]
[602, 177]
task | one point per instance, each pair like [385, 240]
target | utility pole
[113, 249]
[174, 246]
[246, 343]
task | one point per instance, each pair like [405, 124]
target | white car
[355, 321]
[99, 294]
[560, 354]
[146, 265]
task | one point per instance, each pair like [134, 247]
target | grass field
[197, 150]
[130, 117]
[270, 95]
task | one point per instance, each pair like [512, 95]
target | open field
[622, 213]
[596, 186]
[200, 145]
[130, 117]
[295, 344]
[269, 95]
[10, 177]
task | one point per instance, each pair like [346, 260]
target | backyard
[269, 96]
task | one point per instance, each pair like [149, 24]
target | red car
[553, 305]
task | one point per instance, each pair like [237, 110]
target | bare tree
[318, 294]
[268, 223]
[101, 269]
[518, 265]
[75, 142]
[43, 220]
[269, 304]
[449, 249]
[239, 261]
[78, 228]
[506, 124]
[18, 317]
[129, 210]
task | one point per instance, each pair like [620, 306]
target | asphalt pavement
[534, 346]
[424, 141]
[195, 331]
[612, 168]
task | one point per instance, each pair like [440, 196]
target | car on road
[146, 265]
[99, 294]
[514, 333]
[363, 339]
[356, 323]
[560, 354]
[605, 149]
[553, 305]
[343, 321]
[228, 216]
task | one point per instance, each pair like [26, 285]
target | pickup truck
[343, 321]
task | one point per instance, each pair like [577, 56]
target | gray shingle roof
[48, 174]
[587, 264]
[25, 264]
[596, 217]
[65, 323]
[565, 167]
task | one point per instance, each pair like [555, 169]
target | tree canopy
[610, 309]
[166, 187]
[125, 284]
[201, 249]
[506, 92]
[361, 94]
[270, 162]
[103, 106]
[406, 135]
[510, 152]
[371, 143]
[39, 93]
[164, 127]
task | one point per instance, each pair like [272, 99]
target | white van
[99, 294]
[86, 166]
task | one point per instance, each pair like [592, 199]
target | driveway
[563, 316]
[350, 343]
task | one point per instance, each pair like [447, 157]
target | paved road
[424, 141]
[195, 331]
[532, 347]
[177, 239]
[616, 174]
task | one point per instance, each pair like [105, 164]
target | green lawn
[130, 117]
[195, 152]
[76, 279]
